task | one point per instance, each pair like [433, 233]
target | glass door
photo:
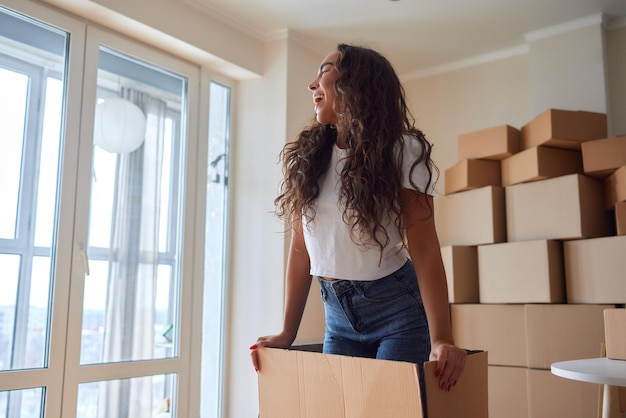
[131, 293]
[131, 300]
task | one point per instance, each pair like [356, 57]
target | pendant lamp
[119, 126]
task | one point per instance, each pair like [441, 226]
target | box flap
[469, 397]
[313, 385]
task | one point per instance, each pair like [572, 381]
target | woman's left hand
[450, 363]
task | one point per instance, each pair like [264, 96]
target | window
[29, 165]
[215, 248]
[98, 243]
[31, 78]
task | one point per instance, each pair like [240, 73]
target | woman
[357, 193]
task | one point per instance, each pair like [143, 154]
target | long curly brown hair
[372, 119]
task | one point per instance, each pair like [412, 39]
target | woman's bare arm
[425, 252]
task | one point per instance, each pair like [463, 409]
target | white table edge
[594, 370]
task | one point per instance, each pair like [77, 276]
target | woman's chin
[326, 120]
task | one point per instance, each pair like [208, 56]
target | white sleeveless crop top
[332, 251]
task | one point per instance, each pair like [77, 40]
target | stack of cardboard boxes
[533, 234]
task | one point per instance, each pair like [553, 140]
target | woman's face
[323, 88]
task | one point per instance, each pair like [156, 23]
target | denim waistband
[338, 287]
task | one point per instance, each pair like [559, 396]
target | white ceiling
[416, 35]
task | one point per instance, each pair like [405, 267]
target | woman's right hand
[275, 341]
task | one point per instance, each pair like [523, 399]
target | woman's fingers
[450, 364]
[254, 355]
[456, 364]
[255, 358]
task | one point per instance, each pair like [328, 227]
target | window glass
[49, 167]
[10, 267]
[130, 305]
[14, 87]
[25, 403]
[215, 247]
[151, 396]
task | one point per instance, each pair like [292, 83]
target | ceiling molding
[277, 35]
[297, 37]
[217, 14]
[466, 63]
[597, 19]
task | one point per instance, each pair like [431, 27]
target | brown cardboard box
[615, 188]
[472, 217]
[461, 265]
[615, 331]
[301, 384]
[521, 272]
[532, 335]
[563, 332]
[553, 396]
[564, 129]
[493, 143]
[603, 156]
[594, 270]
[508, 392]
[620, 218]
[566, 207]
[472, 174]
[498, 329]
[540, 163]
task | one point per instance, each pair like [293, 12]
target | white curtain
[130, 308]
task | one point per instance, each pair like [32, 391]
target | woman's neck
[340, 141]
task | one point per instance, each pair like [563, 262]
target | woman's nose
[313, 85]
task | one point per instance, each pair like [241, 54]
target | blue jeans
[383, 319]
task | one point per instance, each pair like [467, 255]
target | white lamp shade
[119, 126]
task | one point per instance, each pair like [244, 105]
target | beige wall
[256, 262]
[567, 71]
[478, 97]
[616, 60]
